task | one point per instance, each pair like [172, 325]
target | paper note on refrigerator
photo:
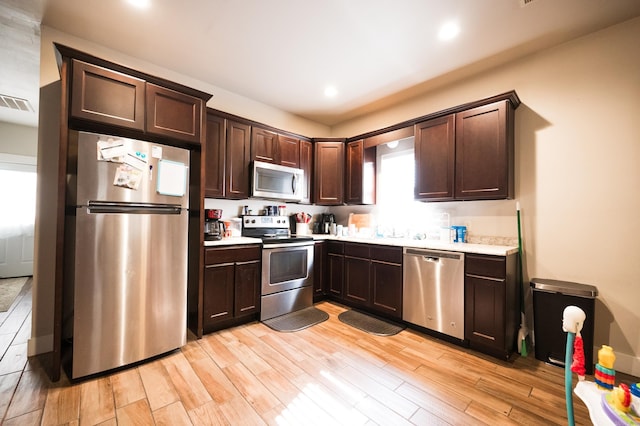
[172, 178]
[111, 150]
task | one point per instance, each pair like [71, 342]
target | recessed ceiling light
[140, 4]
[449, 31]
[330, 91]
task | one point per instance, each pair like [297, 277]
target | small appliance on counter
[213, 227]
[326, 220]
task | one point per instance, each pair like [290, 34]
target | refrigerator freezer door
[127, 170]
[130, 288]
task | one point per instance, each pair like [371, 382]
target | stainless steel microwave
[276, 182]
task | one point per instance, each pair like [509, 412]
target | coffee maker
[326, 220]
[213, 226]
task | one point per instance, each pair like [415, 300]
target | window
[395, 183]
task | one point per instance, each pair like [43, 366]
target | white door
[17, 216]
[16, 256]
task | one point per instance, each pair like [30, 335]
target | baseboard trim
[40, 345]
[624, 363]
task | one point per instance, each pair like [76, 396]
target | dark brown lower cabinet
[335, 269]
[231, 293]
[319, 262]
[367, 277]
[386, 288]
[491, 303]
[357, 281]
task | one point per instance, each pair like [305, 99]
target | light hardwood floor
[327, 374]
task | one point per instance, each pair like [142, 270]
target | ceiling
[284, 53]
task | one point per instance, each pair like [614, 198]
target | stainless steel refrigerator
[126, 251]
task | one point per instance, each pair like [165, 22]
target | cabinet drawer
[387, 254]
[357, 250]
[335, 247]
[231, 254]
[486, 266]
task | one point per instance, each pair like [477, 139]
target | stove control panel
[265, 222]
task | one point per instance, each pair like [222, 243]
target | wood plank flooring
[251, 375]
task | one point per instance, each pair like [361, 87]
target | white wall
[18, 140]
[577, 173]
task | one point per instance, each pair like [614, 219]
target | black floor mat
[370, 324]
[298, 320]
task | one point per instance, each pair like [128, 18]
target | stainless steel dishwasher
[433, 290]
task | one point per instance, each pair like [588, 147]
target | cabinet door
[264, 145]
[247, 288]
[485, 310]
[435, 159]
[215, 152]
[288, 151]
[335, 274]
[484, 152]
[306, 164]
[386, 288]
[237, 164]
[354, 170]
[356, 280]
[173, 114]
[329, 173]
[218, 293]
[106, 96]
[319, 261]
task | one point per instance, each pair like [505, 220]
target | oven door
[286, 266]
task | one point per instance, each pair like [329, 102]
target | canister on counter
[460, 234]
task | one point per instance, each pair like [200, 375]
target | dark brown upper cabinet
[105, 96]
[226, 158]
[113, 98]
[306, 164]
[215, 157]
[288, 153]
[360, 173]
[173, 114]
[272, 147]
[237, 160]
[329, 172]
[485, 152]
[264, 145]
[434, 149]
[468, 155]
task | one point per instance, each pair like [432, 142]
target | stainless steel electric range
[287, 265]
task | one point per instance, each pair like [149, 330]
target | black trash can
[550, 297]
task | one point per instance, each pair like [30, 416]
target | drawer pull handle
[484, 336]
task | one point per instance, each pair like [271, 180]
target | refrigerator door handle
[132, 208]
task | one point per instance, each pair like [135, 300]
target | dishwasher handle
[433, 255]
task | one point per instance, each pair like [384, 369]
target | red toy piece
[577, 366]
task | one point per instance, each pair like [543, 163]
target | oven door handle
[287, 245]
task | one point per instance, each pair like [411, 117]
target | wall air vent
[12, 102]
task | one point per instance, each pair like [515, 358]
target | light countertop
[232, 241]
[495, 250]
[427, 244]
